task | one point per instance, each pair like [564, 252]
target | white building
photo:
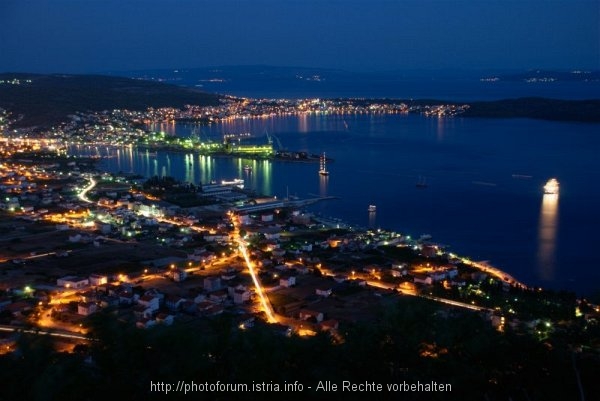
[72, 282]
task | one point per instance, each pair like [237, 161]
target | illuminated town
[248, 200]
[264, 261]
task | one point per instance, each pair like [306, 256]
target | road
[52, 333]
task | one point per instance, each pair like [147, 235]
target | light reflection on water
[548, 226]
[323, 184]
[372, 219]
[378, 159]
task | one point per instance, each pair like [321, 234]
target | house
[240, 296]
[438, 275]
[174, 302]
[127, 298]
[86, 308]
[198, 297]
[287, 280]
[245, 321]
[218, 296]
[479, 276]
[97, 279]
[452, 272]
[228, 275]
[267, 217]
[17, 308]
[212, 283]
[149, 301]
[188, 307]
[145, 323]
[72, 282]
[204, 306]
[155, 293]
[90, 296]
[164, 318]
[108, 300]
[142, 311]
[397, 273]
[300, 268]
[422, 279]
[203, 257]
[306, 314]
[179, 275]
[215, 310]
[234, 285]
[277, 253]
[428, 251]
[328, 325]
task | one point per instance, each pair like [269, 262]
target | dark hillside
[49, 99]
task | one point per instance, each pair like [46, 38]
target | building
[240, 296]
[287, 281]
[97, 279]
[212, 283]
[72, 282]
[149, 301]
[306, 314]
[86, 308]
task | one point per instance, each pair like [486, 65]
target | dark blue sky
[102, 35]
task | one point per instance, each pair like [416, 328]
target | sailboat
[323, 168]
[421, 183]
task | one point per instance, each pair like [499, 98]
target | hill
[48, 99]
[538, 108]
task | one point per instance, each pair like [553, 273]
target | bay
[484, 194]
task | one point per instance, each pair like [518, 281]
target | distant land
[288, 74]
[547, 76]
[538, 108]
[46, 100]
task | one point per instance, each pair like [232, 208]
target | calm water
[484, 180]
[443, 89]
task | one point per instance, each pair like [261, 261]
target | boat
[372, 208]
[551, 187]
[236, 182]
[323, 168]
[247, 167]
[421, 183]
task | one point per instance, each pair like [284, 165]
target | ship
[372, 208]
[323, 168]
[421, 183]
[551, 187]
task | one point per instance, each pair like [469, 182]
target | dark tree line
[411, 341]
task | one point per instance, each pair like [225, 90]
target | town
[77, 242]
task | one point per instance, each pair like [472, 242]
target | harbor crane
[270, 139]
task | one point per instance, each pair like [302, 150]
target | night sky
[106, 35]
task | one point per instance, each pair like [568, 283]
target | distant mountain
[48, 99]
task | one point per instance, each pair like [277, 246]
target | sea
[481, 179]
